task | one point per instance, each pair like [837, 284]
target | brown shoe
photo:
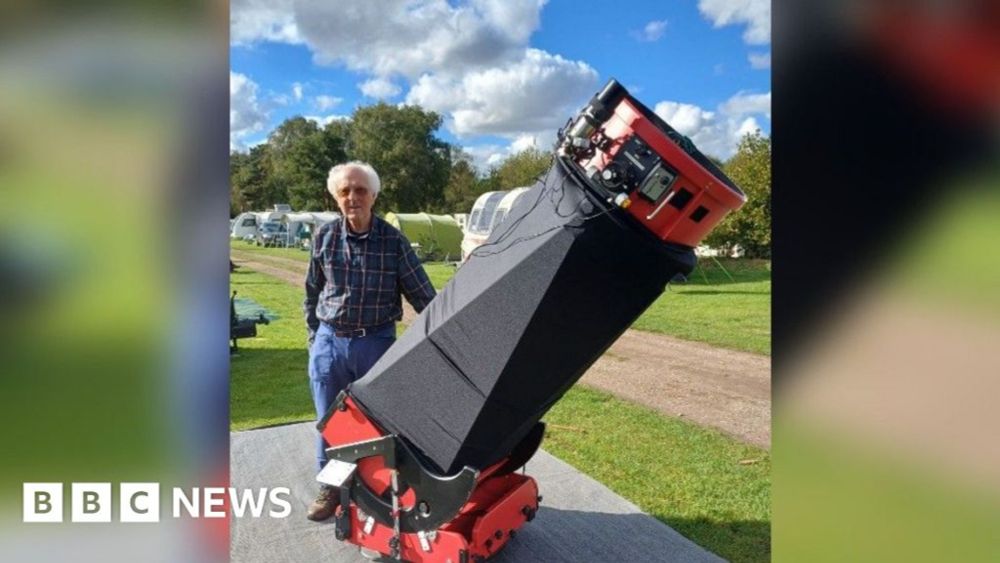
[324, 505]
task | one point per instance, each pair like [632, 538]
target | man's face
[354, 197]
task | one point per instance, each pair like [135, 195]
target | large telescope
[424, 447]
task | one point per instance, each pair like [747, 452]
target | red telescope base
[393, 504]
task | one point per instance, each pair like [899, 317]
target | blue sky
[504, 74]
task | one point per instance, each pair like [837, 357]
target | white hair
[338, 171]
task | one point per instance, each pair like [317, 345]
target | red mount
[501, 502]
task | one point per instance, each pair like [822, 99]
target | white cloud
[717, 133]
[286, 99]
[325, 102]
[652, 31]
[246, 115]
[322, 121]
[746, 104]
[535, 94]
[411, 38]
[486, 156]
[759, 60]
[686, 118]
[747, 127]
[755, 14]
[379, 88]
[467, 59]
[262, 20]
[524, 142]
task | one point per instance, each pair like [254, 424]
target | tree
[301, 161]
[399, 142]
[521, 169]
[237, 201]
[750, 227]
[337, 135]
[463, 186]
[252, 181]
[335, 138]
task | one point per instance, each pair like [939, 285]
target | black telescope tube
[553, 287]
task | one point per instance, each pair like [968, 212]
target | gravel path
[724, 389]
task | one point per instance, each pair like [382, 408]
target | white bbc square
[43, 502]
[91, 502]
[139, 502]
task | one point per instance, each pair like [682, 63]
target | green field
[712, 308]
[293, 253]
[268, 383]
[725, 303]
[689, 477]
[712, 489]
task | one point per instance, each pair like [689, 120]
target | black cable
[556, 204]
[513, 224]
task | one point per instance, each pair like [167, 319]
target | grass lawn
[439, 273]
[268, 383]
[712, 489]
[709, 307]
[688, 477]
[293, 253]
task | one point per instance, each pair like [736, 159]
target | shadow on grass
[726, 272]
[601, 536]
[720, 292]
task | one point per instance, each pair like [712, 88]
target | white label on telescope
[635, 161]
[335, 473]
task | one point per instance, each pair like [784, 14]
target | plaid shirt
[354, 281]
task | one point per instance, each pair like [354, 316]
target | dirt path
[715, 387]
[292, 271]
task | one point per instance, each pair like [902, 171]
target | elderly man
[359, 266]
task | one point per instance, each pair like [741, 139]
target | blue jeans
[335, 362]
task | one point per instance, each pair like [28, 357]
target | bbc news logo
[140, 502]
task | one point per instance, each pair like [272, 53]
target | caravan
[477, 230]
[301, 226]
[487, 213]
[245, 226]
[506, 204]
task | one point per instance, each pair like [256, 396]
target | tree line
[750, 227]
[421, 172]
